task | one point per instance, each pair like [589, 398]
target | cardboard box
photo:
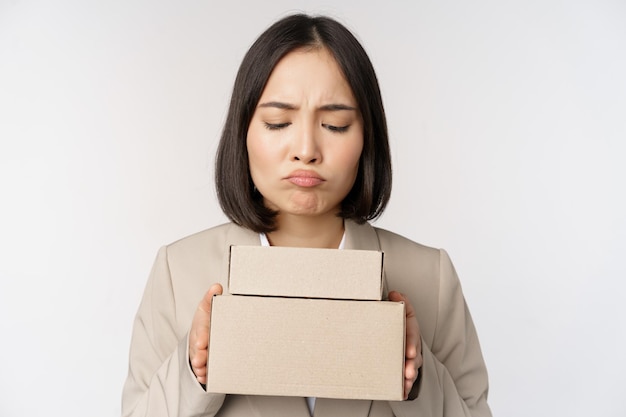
[306, 272]
[307, 347]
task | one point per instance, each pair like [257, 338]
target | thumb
[202, 319]
[205, 303]
[396, 296]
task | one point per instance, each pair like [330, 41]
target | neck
[303, 232]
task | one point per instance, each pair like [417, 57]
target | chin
[304, 211]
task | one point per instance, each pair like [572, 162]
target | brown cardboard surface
[306, 347]
[306, 272]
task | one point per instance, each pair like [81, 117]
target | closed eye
[276, 126]
[337, 129]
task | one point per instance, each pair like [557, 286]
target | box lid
[306, 272]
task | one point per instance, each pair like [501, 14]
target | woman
[303, 161]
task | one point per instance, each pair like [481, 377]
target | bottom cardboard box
[306, 347]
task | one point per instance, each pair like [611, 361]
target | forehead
[311, 72]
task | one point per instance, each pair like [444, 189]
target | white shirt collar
[266, 242]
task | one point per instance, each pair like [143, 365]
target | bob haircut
[369, 195]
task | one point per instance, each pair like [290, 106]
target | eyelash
[276, 126]
[335, 129]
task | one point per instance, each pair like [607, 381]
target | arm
[453, 379]
[160, 381]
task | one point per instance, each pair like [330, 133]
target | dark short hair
[370, 193]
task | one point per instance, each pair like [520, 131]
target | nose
[305, 147]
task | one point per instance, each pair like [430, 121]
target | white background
[507, 122]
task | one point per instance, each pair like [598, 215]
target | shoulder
[201, 241]
[408, 262]
[396, 240]
[400, 246]
[217, 238]
[206, 253]
[198, 257]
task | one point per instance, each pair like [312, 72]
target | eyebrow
[326, 107]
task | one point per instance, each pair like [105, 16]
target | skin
[304, 142]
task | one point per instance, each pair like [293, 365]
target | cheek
[352, 154]
[256, 149]
[355, 157]
[348, 161]
[262, 159]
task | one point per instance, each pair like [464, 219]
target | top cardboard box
[306, 272]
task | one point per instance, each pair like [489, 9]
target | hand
[199, 334]
[413, 350]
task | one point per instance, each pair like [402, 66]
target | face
[306, 136]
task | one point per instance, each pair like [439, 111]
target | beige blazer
[160, 382]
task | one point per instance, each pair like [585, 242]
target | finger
[202, 319]
[399, 297]
[412, 339]
[410, 376]
[200, 371]
[410, 370]
[200, 378]
[198, 365]
[199, 360]
[413, 343]
[205, 303]
[395, 296]
[199, 333]
[419, 359]
[408, 386]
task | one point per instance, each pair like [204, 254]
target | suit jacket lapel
[364, 237]
[360, 236]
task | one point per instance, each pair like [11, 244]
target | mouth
[303, 178]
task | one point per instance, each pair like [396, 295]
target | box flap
[306, 272]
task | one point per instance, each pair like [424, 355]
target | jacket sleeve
[454, 377]
[160, 381]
